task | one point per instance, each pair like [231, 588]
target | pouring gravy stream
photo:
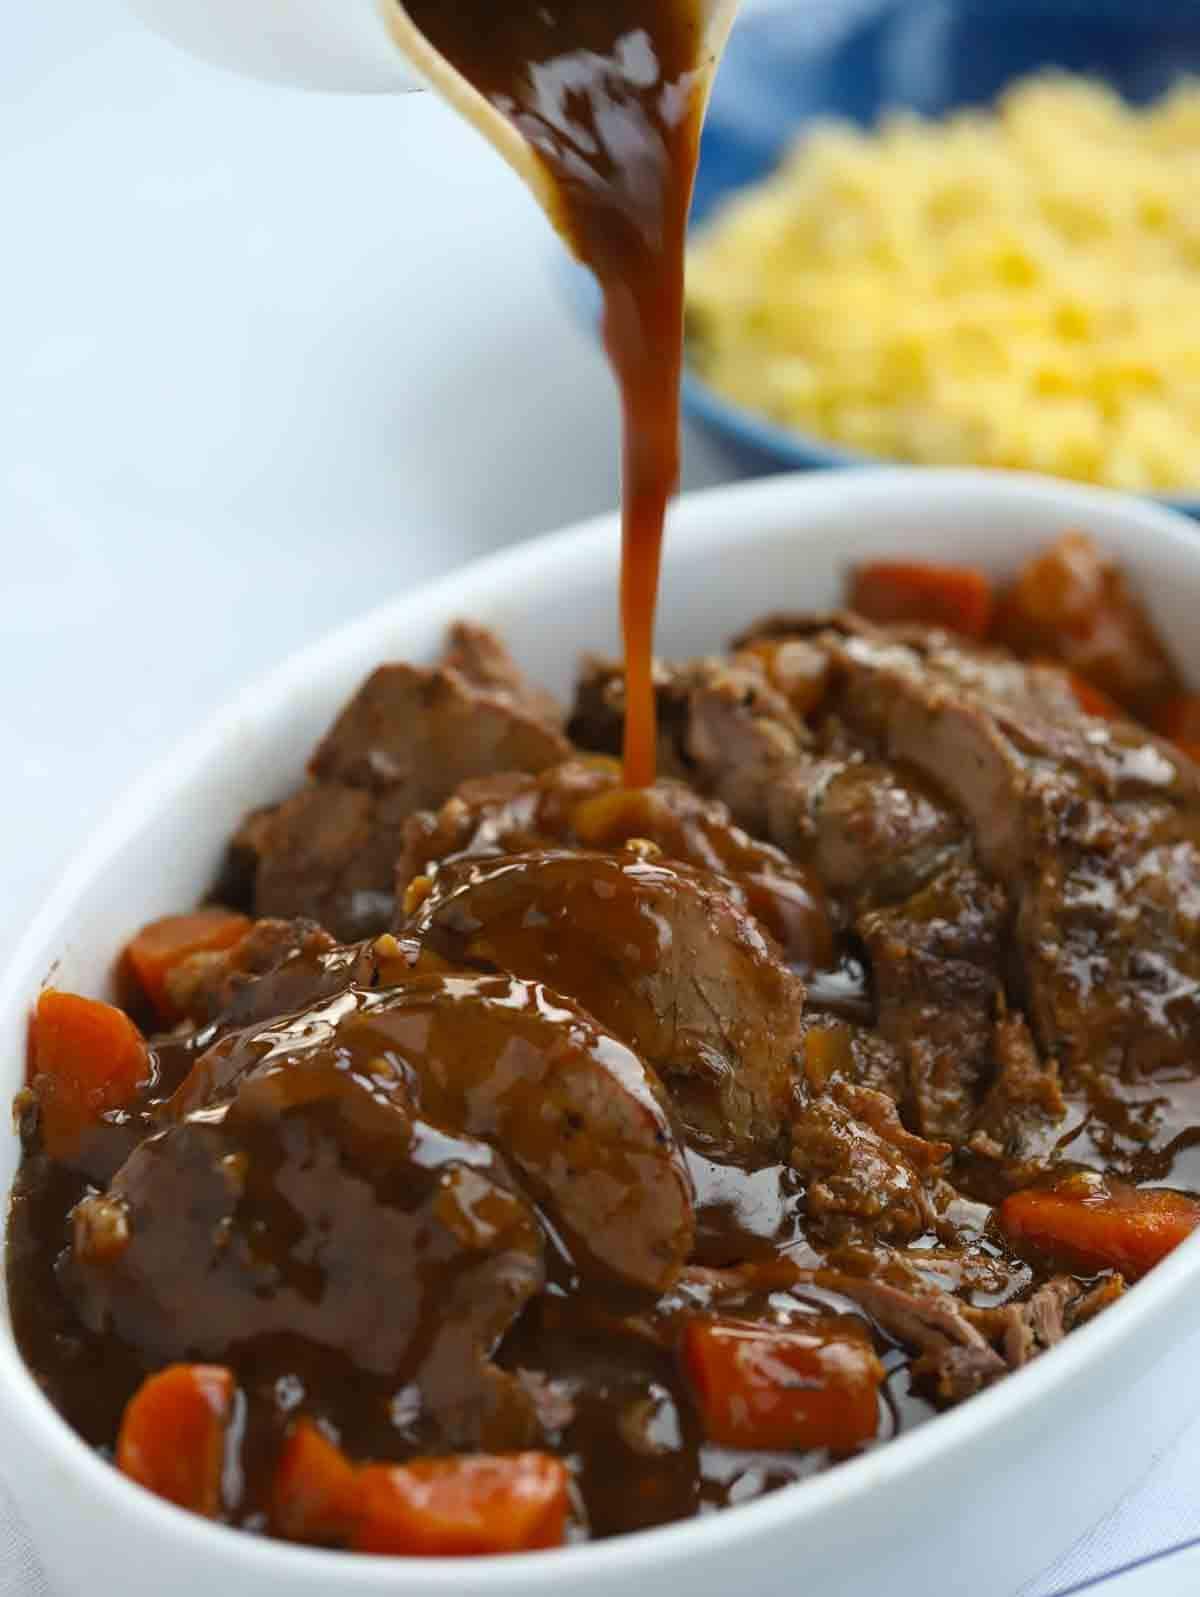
[610, 98]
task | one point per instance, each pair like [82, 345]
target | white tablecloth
[264, 358]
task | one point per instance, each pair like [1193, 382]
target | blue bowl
[790, 64]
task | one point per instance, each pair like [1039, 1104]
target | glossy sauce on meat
[593, 1358]
[608, 96]
[645, 1093]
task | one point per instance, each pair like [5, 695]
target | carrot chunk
[1086, 1225]
[1073, 603]
[1092, 701]
[959, 598]
[1178, 718]
[313, 1494]
[172, 1438]
[86, 1058]
[764, 1386]
[161, 945]
[481, 1503]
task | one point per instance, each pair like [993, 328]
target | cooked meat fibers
[660, 954]
[405, 741]
[864, 1040]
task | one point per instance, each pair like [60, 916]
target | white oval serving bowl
[980, 1499]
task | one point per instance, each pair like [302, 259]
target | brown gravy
[609, 96]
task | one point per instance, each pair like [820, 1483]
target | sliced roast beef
[415, 734]
[1022, 1114]
[660, 954]
[583, 803]
[327, 854]
[782, 626]
[954, 1359]
[1024, 1329]
[405, 741]
[597, 719]
[874, 834]
[1109, 930]
[581, 1121]
[277, 967]
[741, 735]
[722, 727]
[307, 1206]
[1094, 826]
[1006, 742]
[936, 961]
[481, 658]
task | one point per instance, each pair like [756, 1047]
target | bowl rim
[711, 519]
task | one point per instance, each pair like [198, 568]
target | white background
[267, 358]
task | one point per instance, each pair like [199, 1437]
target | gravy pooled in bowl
[508, 1155]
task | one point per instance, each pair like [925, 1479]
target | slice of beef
[873, 833]
[936, 960]
[660, 954]
[879, 1112]
[406, 740]
[954, 1359]
[735, 732]
[742, 734]
[306, 1206]
[859, 1183]
[279, 966]
[1006, 742]
[583, 1124]
[838, 1052]
[597, 719]
[779, 626]
[796, 667]
[1093, 825]
[482, 659]
[1023, 1330]
[583, 803]
[1109, 929]
[505, 814]
[1022, 1114]
[415, 734]
[327, 854]
[722, 727]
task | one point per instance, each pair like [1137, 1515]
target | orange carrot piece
[775, 1387]
[1072, 603]
[1091, 700]
[476, 1503]
[161, 945]
[313, 1493]
[959, 598]
[1178, 718]
[1089, 1226]
[172, 1438]
[86, 1058]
